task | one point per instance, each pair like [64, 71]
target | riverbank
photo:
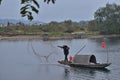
[38, 37]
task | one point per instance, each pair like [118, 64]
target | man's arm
[60, 46]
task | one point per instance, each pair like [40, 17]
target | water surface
[37, 59]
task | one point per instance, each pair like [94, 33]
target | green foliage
[52, 28]
[92, 26]
[53, 1]
[0, 1]
[108, 19]
[30, 6]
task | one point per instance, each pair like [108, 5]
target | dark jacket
[65, 49]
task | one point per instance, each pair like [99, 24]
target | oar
[80, 49]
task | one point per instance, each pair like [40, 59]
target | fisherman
[66, 51]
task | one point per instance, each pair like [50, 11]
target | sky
[75, 10]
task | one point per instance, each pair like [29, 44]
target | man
[66, 51]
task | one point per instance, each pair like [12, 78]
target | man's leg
[66, 59]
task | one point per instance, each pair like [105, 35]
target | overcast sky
[75, 10]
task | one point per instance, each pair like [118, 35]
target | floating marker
[103, 44]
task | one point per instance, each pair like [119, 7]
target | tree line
[55, 28]
[106, 20]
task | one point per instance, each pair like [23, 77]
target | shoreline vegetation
[102, 26]
[54, 37]
[67, 29]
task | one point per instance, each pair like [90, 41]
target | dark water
[37, 59]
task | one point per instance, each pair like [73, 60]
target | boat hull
[97, 65]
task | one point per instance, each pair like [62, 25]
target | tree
[91, 26]
[68, 25]
[30, 6]
[108, 19]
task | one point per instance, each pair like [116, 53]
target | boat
[86, 61]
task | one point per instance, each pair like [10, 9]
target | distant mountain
[27, 22]
[81, 23]
[13, 21]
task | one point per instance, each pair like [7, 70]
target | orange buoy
[103, 44]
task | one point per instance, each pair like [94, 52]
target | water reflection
[83, 73]
[87, 73]
[66, 74]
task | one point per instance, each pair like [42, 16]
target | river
[37, 59]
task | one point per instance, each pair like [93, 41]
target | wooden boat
[87, 61]
[97, 65]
